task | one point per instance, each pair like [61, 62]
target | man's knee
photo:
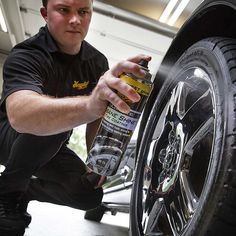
[48, 141]
[89, 200]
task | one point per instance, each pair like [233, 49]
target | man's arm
[30, 112]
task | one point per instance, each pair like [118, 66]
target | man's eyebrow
[85, 8]
[61, 5]
[65, 5]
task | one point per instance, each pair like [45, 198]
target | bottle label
[141, 88]
[120, 123]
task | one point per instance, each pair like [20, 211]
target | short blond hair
[45, 2]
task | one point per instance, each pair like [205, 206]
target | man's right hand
[110, 83]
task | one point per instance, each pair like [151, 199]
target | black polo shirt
[37, 64]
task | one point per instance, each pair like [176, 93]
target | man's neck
[71, 51]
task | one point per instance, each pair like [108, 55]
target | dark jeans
[45, 169]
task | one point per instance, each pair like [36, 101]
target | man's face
[68, 22]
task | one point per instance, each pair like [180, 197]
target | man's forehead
[71, 2]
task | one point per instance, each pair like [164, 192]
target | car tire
[185, 177]
[95, 214]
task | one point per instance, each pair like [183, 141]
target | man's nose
[75, 19]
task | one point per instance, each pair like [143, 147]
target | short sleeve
[22, 71]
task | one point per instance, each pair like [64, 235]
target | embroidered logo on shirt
[80, 86]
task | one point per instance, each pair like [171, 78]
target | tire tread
[225, 216]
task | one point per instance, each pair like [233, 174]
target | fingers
[130, 66]
[110, 83]
[101, 181]
[115, 83]
[138, 58]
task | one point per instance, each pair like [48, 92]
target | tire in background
[95, 214]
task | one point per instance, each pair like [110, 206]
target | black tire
[185, 181]
[95, 214]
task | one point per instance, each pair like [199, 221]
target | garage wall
[120, 40]
[2, 59]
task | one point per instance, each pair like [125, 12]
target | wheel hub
[169, 157]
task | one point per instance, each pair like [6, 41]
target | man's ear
[44, 13]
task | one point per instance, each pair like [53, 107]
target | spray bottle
[116, 128]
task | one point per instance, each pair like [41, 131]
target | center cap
[169, 159]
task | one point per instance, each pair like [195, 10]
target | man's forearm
[37, 114]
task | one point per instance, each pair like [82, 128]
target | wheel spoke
[150, 220]
[160, 126]
[177, 101]
[146, 188]
[187, 100]
[176, 218]
[181, 205]
[190, 200]
[199, 135]
[198, 103]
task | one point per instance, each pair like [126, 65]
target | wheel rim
[178, 156]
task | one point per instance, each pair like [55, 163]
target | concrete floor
[53, 220]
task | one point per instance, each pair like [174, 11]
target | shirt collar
[85, 53]
[49, 41]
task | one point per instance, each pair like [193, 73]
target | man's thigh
[65, 168]
[63, 181]
[7, 138]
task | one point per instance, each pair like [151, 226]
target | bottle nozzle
[143, 63]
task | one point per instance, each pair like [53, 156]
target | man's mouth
[73, 31]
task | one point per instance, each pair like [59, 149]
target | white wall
[119, 40]
[2, 59]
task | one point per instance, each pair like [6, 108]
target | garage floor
[53, 220]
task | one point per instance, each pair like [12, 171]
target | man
[54, 82]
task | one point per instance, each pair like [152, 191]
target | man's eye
[63, 10]
[83, 12]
